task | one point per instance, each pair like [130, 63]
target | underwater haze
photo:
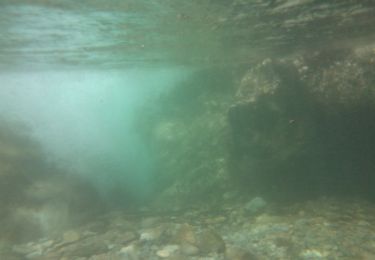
[201, 129]
[84, 120]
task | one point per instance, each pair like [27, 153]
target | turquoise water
[85, 119]
[164, 106]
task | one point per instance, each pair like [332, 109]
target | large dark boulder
[304, 126]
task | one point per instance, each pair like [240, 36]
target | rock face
[287, 128]
[303, 125]
[188, 132]
[272, 122]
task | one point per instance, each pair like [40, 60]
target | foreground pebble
[323, 229]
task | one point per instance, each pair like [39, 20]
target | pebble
[236, 253]
[312, 254]
[129, 252]
[86, 249]
[167, 251]
[210, 242]
[149, 222]
[189, 250]
[255, 205]
[150, 235]
[70, 236]
[34, 255]
[216, 220]
[197, 235]
[186, 234]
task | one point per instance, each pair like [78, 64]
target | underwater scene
[199, 129]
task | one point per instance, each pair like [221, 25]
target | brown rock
[128, 237]
[130, 252]
[149, 222]
[86, 249]
[210, 242]
[109, 256]
[71, 236]
[152, 234]
[235, 253]
[186, 234]
[167, 251]
[189, 250]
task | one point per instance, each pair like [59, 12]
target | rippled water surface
[112, 34]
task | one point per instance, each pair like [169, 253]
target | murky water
[202, 129]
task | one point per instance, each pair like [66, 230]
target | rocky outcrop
[287, 128]
[303, 126]
[188, 132]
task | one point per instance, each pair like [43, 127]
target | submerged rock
[71, 236]
[210, 242]
[236, 253]
[189, 250]
[130, 252]
[255, 205]
[167, 251]
[327, 230]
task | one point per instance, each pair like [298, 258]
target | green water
[168, 105]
